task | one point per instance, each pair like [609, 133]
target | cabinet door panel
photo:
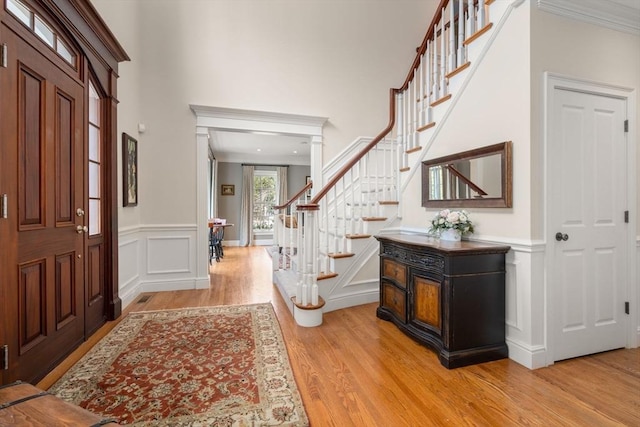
[395, 300]
[426, 304]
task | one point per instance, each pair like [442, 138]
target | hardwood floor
[357, 370]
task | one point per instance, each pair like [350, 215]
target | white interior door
[586, 190]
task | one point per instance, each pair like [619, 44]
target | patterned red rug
[213, 366]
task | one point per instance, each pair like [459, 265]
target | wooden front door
[42, 130]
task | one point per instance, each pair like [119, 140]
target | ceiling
[260, 147]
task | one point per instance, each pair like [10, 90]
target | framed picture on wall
[129, 170]
[228, 190]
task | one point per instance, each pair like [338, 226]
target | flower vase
[451, 235]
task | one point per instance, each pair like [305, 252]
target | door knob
[80, 212]
[560, 237]
[81, 229]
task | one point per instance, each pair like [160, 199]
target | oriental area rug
[213, 366]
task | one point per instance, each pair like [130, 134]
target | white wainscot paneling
[169, 254]
[513, 313]
[128, 268]
[525, 305]
[638, 290]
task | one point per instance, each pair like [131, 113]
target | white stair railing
[355, 193]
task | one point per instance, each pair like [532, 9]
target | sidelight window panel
[95, 166]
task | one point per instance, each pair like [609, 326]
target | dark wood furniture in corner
[449, 296]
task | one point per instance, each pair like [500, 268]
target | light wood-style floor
[357, 370]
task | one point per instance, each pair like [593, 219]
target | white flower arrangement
[456, 220]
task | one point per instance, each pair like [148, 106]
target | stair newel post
[309, 261]
[314, 258]
[452, 36]
[461, 47]
[305, 257]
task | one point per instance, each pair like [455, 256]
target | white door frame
[551, 82]
[211, 118]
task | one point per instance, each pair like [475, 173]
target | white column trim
[202, 236]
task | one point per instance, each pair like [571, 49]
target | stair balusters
[352, 196]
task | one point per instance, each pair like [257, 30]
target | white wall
[494, 107]
[582, 51]
[324, 58]
[335, 59]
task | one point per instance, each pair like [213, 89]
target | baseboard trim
[174, 285]
[350, 300]
[530, 357]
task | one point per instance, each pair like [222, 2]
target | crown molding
[258, 116]
[615, 14]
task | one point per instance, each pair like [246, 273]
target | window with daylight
[95, 162]
[40, 28]
[265, 197]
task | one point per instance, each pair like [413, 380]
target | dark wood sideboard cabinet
[449, 296]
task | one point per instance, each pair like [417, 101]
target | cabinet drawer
[395, 300]
[394, 270]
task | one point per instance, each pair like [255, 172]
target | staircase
[324, 250]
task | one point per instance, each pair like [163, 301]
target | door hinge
[626, 217]
[626, 125]
[5, 357]
[3, 206]
[626, 307]
[4, 61]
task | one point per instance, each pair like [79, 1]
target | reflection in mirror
[480, 177]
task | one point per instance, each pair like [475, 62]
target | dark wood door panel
[95, 315]
[65, 158]
[31, 148]
[32, 305]
[65, 290]
[46, 306]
